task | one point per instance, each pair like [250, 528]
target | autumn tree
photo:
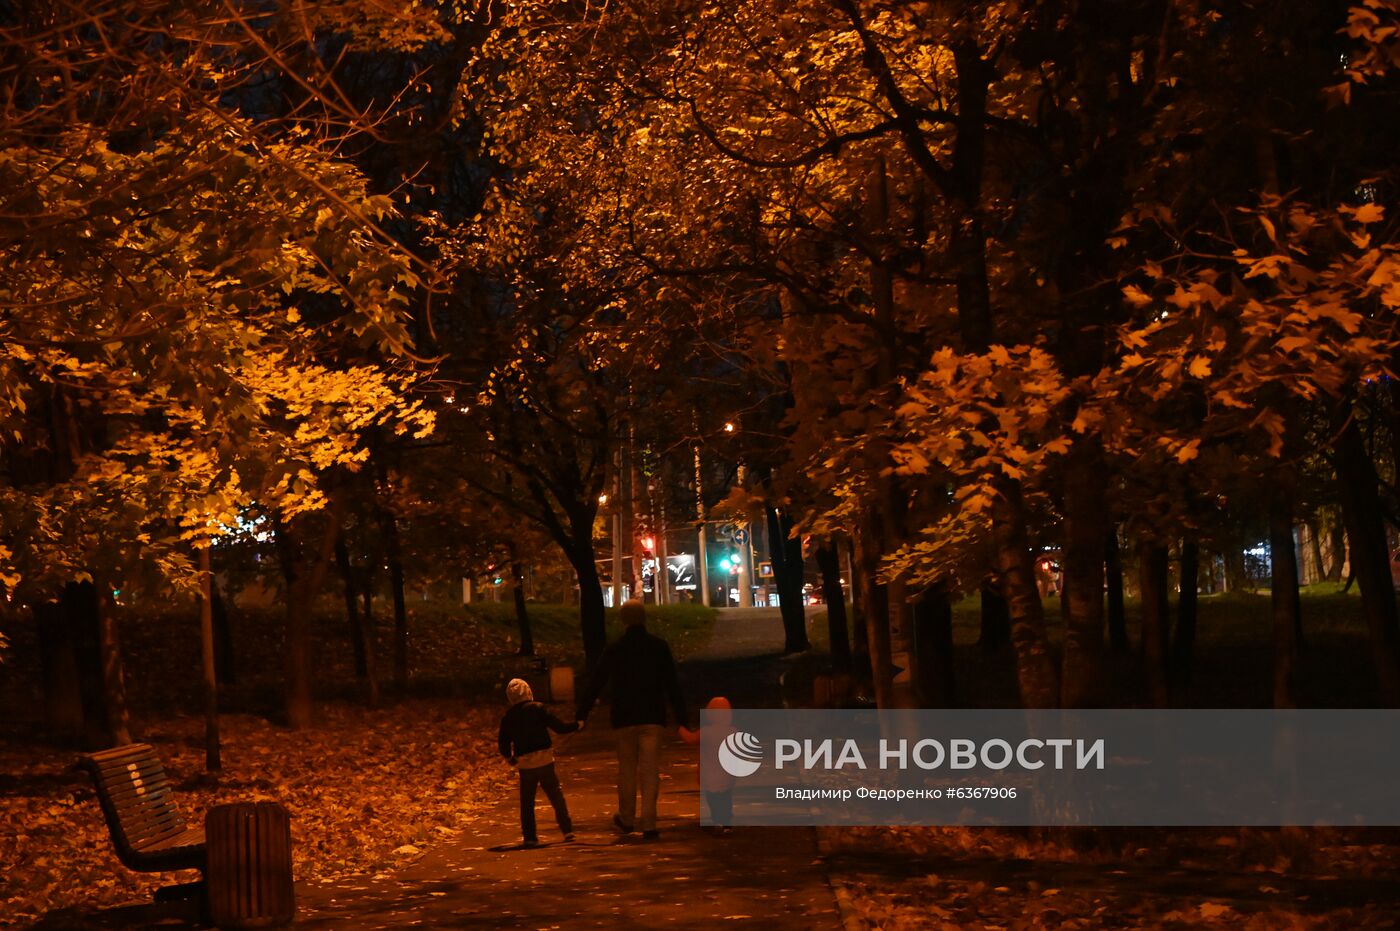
[192, 278]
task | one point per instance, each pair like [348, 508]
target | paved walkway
[687, 879]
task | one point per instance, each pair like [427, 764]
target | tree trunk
[1082, 682]
[1035, 668]
[352, 609]
[1236, 579]
[1370, 558]
[830, 565]
[522, 617]
[995, 632]
[1283, 594]
[303, 582]
[63, 702]
[113, 680]
[369, 635]
[212, 762]
[1319, 567]
[933, 642]
[97, 661]
[225, 660]
[877, 616]
[393, 554]
[1184, 637]
[786, 553]
[1113, 575]
[1339, 549]
[1156, 618]
[860, 629]
[591, 610]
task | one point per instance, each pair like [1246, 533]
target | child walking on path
[526, 744]
[715, 783]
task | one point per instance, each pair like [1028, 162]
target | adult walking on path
[639, 673]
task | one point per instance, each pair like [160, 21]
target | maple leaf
[1369, 213]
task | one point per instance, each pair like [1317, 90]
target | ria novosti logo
[740, 754]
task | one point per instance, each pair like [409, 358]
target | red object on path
[714, 778]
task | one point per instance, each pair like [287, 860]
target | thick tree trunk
[63, 702]
[352, 609]
[1035, 669]
[1184, 636]
[830, 565]
[1156, 619]
[995, 631]
[1370, 559]
[102, 693]
[786, 552]
[522, 617]
[303, 582]
[1236, 579]
[933, 642]
[1113, 577]
[1283, 587]
[591, 610]
[1082, 682]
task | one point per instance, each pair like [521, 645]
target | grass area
[1232, 662]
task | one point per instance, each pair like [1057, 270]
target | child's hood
[518, 690]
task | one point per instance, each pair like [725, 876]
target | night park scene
[857, 465]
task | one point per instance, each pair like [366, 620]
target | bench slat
[140, 795]
[116, 782]
[149, 831]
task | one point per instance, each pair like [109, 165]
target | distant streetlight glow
[729, 428]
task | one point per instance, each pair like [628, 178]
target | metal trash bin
[248, 873]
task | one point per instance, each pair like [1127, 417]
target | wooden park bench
[147, 829]
[245, 858]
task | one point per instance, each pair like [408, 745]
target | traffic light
[648, 545]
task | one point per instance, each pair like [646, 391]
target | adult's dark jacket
[525, 729]
[638, 674]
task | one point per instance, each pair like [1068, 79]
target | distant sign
[741, 536]
[681, 567]
[765, 570]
